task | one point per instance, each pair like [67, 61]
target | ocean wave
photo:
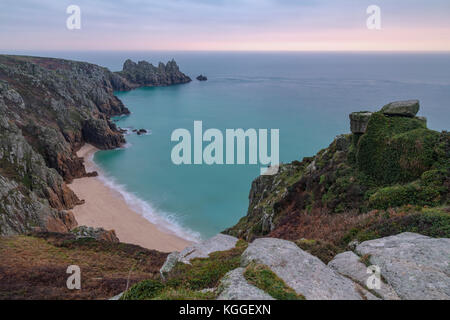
[162, 220]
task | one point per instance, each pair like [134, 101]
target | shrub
[323, 250]
[395, 149]
[265, 279]
[205, 273]
[144, 290]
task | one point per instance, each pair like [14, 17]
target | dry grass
[318, 225]
[35, 268]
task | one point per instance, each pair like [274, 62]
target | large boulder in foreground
[234, 286]
[408, 108]
[349, 265]
[416, 266]
[301, 271]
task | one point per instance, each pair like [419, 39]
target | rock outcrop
[95, 233]
[145, 74]
[407, 108]
[416, 266]
[349, 265]
[304, 273]
[201, 78]
[409, 266]
[387, 162]
[359, 121]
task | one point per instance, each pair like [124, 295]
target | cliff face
[391, 161]
[145, 74]
[49, 108]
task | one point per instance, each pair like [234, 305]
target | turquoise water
[307, 96]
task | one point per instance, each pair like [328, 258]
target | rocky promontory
[390, 174]
[146, 74]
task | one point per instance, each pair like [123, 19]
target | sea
[306, 96]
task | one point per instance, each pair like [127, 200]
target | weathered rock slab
[416, 266]
[301, 271]
[408, 108]
[348, 264]
[234, 286]
[220, 242]
[359, 121]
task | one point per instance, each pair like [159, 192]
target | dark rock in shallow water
[141, 131]
[202, 78]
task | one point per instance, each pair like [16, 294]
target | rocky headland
[50, 108]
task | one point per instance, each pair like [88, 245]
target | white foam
[162, 220]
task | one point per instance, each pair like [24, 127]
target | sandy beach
[105, 207]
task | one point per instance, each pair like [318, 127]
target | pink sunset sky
[260, 25]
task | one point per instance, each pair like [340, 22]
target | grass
[265, 279]
[323, 250]
[185, 281]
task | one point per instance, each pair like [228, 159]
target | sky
[226, 25]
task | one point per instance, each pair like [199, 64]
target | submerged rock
[416, 266]
[301, 271]
[408, 108]
[234, 286]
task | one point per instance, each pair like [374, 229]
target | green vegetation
[144, 290]
[263, 278]
[186, 281]
[395, 163]
[395, 149]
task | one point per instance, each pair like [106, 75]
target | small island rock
[202, 78]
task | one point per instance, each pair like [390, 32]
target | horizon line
[5, 51]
